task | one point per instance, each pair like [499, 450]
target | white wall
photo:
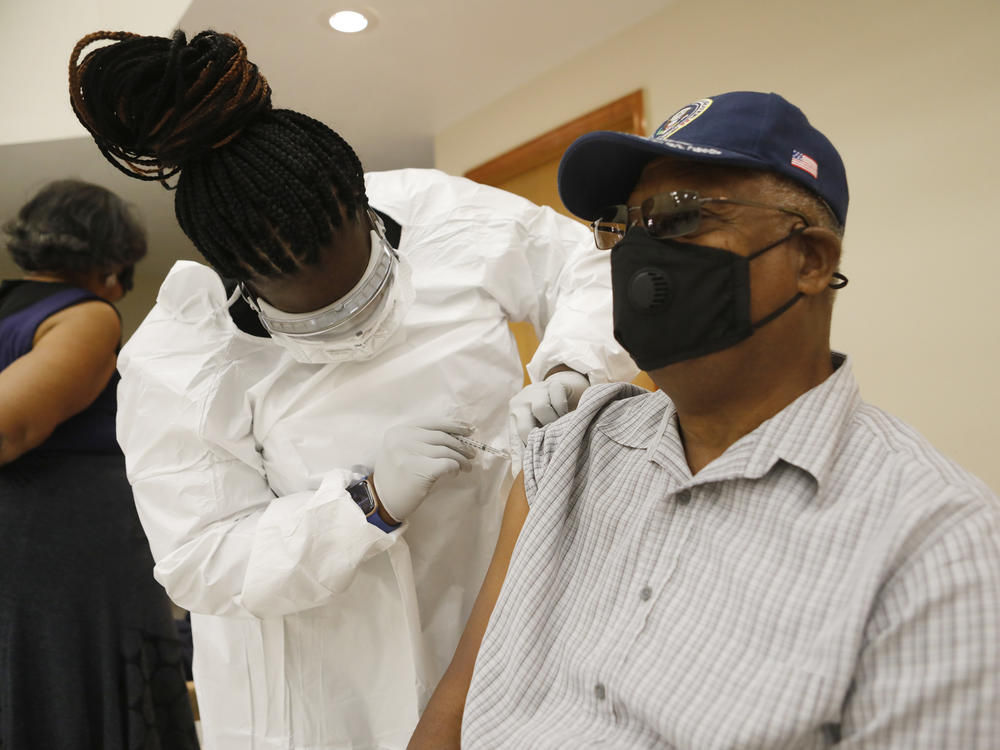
[36, 38]
[908, 92]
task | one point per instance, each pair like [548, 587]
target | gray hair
[74, 226]
[796, 196]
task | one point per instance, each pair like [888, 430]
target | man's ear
[819, 259]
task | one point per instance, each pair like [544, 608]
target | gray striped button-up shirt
[830, 580]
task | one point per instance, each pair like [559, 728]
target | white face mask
[356, 326]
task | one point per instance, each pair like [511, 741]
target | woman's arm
[440, 726]
[72, 358]
[224, 542]
[539, 266]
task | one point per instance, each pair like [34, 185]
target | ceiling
[423, 66]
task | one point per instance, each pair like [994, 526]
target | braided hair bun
[258, 189]
[153, 104]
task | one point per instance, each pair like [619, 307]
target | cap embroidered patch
[680, 118]
[805, 163]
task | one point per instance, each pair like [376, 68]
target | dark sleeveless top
[24, 305]
[89, 655]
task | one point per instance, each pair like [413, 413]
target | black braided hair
[258, 189]
[71, 225]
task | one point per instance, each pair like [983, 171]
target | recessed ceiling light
[349, 21]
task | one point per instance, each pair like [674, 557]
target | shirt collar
[805, 433]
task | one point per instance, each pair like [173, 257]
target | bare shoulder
[70, 363]
[95, 322]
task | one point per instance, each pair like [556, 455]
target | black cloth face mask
[675, 301]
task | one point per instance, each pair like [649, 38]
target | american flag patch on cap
[805, 163]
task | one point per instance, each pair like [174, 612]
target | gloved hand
[540, 403]
[414, 456]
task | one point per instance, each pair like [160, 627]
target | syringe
[481, 446]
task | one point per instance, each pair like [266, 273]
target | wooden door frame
[550, 145]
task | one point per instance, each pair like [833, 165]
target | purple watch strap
[376, 520]
[361, 493]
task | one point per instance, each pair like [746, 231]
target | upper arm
[927, 674]
[548, 261]
[566, 294]
[72, 359]
[510, 529]
[514, 515]
[185, 428]
[441, 723]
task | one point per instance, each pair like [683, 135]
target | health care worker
[351, 326]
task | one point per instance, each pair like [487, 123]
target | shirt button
[645, 593]
[599, 691]
[684, 497]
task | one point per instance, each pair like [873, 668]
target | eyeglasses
[665, 215]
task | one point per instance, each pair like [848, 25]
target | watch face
[363, 497]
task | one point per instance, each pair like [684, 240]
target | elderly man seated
[753, 556]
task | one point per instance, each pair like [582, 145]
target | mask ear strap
[242, 291]
[376, 221]
[787, 237]
[768, 318]
[378, 226]
[839, 284]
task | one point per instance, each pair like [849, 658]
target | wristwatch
[363, 497]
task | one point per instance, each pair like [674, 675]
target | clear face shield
[353, 327]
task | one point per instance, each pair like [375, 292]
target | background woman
[88, 652]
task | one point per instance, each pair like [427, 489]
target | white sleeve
[566, 297]
[222, 542]
[542, 267]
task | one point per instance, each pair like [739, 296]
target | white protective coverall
[313, 628]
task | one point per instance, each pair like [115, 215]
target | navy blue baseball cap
[741, 128]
